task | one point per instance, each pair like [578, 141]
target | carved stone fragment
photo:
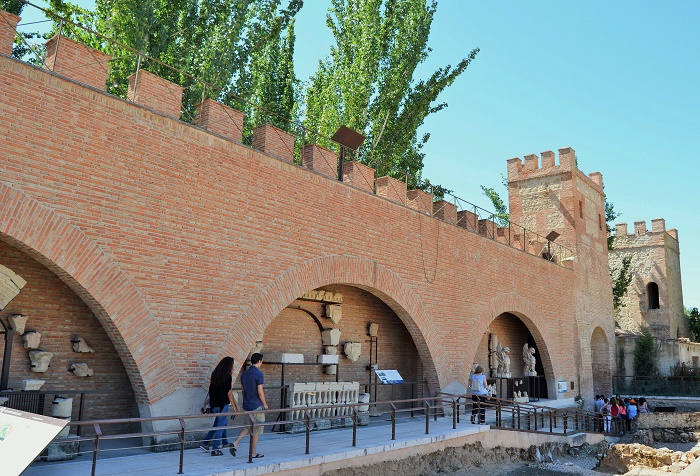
[257, 348]
[62, 407]
[40, 360]
[330, 350]
[335, 313]
[32, 340]
[373, 329]
[10, 285]
[19, 322]
[81, 370]
[331, 337]
[33, 384]
[322, 295]
[353, 350]
[79, 345]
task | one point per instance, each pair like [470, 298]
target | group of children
[617, 414]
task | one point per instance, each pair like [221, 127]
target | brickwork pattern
[8, 23]
[319, 159]
[59, 314]
[220, 119]
[155, 93]
[274, 141]
[358, 175]
[85, 65]
[213, 238]
[392, 189]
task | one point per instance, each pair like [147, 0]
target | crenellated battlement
[532, 163]
[534, 166]
[658, 225]
[80, 63]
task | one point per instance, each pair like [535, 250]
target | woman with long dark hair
[220, 397]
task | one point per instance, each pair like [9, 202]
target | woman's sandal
[258, 456]
[232, 450]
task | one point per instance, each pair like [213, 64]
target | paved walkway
[283, 452]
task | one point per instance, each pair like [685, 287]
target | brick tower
[560, 198]
[654, 298]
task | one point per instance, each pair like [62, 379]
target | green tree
[610, 216]
[241, 47]
[502, 216]
[621, 280]
[368, 81]
[12, 6]
[645, 354]
[693, 316]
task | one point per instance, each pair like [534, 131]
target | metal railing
[681, 386]
[40, 401]
[502, 414]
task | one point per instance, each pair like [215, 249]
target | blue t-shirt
[478, 384]
[250, 380]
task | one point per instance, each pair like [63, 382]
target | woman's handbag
[206, 407]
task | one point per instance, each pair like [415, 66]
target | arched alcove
[653, 295]
[600, 363]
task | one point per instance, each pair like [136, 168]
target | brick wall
[58, 314]
[208, 241]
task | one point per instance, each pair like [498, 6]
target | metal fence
[657, 386]
[500, 413]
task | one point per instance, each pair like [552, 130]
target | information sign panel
[23, 436]
[389, 376]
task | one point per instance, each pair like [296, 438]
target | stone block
[62, 450]
[296, 427]
[362, 419]
[81, 369]
[18, 322]
[62, 407]
[353, 350]
[327, 359]
[32, 340]
[334, 312]
[373, 329]
[321, 425]
[33, 384]
[292, 358]
[40, 360]
[331, 337]
[79, 345]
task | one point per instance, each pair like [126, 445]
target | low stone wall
[667, 428]
[623, 458]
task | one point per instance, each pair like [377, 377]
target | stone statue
[503, 369]
[530, 360]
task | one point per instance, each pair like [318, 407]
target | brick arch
[362, 273]
[81, 264]
[530, 316]
[601, 362]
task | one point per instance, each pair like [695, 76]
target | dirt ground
[475, 461]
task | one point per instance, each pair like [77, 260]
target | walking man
[252, 381]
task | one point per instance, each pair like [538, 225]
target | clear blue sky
[617, 81]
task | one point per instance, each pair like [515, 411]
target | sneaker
[204, 447]
[217, 453]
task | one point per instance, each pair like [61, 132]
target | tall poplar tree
[368, 81]
[242, 47]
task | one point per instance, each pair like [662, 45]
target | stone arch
[652, 295]
[600, 362]
[362, 273]
[79, 262]
[530, 316]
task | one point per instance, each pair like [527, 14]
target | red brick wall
[58, 314]
[8, 22]
[208, 241]
[81, 63]
[294, 331]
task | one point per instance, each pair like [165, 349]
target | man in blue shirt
[252, 381]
